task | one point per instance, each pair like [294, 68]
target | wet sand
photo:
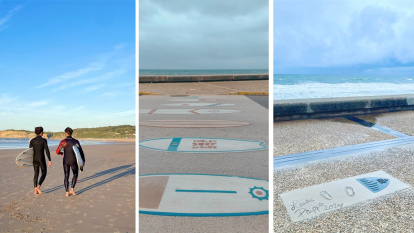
[105, 200]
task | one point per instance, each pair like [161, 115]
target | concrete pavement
[251, 164]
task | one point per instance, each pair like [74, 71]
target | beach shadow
[130, 171]
[96, 175]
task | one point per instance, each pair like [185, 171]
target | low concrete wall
[200, 78]
[284, 110]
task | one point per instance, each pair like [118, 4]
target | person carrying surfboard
[70, 161]
[39, 145]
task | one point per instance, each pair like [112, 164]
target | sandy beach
[105, 200]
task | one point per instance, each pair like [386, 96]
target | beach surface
[105, 200]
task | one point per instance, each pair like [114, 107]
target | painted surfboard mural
[202, 195]
[185, 111]
[183, 99]
[201, 145]
[197, 104]
[192, 123]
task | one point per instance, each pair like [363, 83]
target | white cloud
[125, 113]
[342, 33]
[94, 66]
[9, 14]
[94, 87]
[39, 103]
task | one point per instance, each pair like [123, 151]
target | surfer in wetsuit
[39, 145]
[69, 159]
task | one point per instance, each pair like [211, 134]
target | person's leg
[42, 178]
[66, 169]
[36, 176]
[75, 178]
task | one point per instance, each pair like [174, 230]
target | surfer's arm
[47, 150]
[30, 143]
[60, 147]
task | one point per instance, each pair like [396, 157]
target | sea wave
[312, 90]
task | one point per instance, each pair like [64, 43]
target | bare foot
[35, 190]
[67, 194]
[72, 192]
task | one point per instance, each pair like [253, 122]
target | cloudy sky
[203, 34]
[337, 37]
[66, 63]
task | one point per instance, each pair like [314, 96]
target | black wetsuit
[39, 145]
[69, 159]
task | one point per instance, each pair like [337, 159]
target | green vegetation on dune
[108, 132]
[115, 132]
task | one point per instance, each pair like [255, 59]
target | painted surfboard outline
[226, 151]
[202, 214]
[198, 104]
[196, 111]
[193, 123]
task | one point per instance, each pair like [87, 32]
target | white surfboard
[192, 123]
[198, 104]
[25, 158]
[185, 111]
[200, 195]
[78, 158]
[201, 145]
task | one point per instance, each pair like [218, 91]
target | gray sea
[201, 72]
[288, 86]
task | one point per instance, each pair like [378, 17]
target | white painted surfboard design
[201, 145]
[314, 200]
[192, 123]
[198, 104]
[185, 111]
[201, 195]
[196, 99]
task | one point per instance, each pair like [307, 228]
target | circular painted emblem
[259, 193]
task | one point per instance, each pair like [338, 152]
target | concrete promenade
[200, 78]
[331, 107]
[252, 87]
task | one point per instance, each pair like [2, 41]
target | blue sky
[67, 63]
[343, 37]
[203, 34]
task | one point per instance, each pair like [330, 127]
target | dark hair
[69, 131]
[38, 130]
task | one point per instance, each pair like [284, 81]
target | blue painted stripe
[204, 191]
[204, 214]
[175, 142]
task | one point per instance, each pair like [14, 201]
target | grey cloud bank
[363, 36]
[203, 34]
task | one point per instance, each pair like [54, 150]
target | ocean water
[328, 86]
[201, 72]
[16, 143]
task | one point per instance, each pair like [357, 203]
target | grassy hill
[108, 132]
